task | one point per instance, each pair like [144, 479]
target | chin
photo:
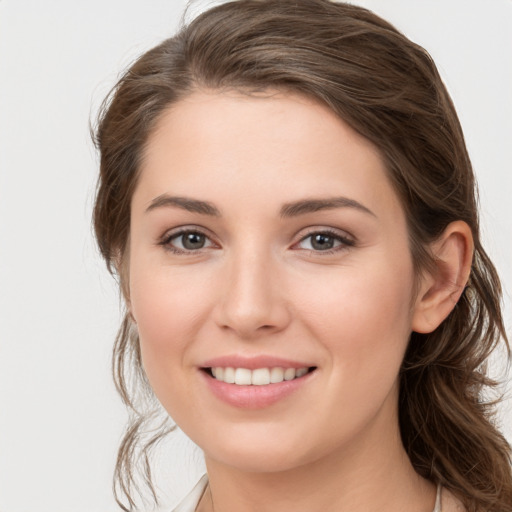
[262, 452]
[257, 460]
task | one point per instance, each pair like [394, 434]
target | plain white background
[60, 419]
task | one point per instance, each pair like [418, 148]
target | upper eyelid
[345, 239]
[173, 232]
[329, 230]
[166, 239]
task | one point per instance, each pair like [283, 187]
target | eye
[186, 241]
[325, 241]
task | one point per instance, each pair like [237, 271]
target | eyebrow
[314, 205]
[288, 210]
[191, 205]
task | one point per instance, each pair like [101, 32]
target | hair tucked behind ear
[388, 89]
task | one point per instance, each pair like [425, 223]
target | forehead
[275, 145]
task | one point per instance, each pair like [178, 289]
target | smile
[258, 376]
[268, 380]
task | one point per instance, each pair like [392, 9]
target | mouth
[258, 376]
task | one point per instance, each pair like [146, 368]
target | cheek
[363, 319]
[167, 307]
[364, 327]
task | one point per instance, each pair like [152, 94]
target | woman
[287, 199]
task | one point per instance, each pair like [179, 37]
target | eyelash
[345, 242]
[167, 239]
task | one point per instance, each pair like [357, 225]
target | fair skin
[262, 277]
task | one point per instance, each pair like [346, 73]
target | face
[268, 247]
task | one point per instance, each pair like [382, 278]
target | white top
[191, 501]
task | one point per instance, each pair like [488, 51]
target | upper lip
[252, 363]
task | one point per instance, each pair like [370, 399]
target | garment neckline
[437, 506]
[189, 504]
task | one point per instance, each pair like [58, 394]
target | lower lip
[254, 397]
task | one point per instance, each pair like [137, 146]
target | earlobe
[441, 289]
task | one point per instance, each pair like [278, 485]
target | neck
[372, 474]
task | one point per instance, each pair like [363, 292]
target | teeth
[289, 374]
[276, 375]
[243, 376]
[300, 372]
[258, 377]
[229, 375]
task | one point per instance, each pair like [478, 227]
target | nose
[252, 299]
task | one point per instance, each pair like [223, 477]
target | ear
[441, 288]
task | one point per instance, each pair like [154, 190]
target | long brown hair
[387, 89]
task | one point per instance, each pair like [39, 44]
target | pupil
[193, 241]
[322, 242]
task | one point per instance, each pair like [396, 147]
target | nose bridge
[252, 301]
